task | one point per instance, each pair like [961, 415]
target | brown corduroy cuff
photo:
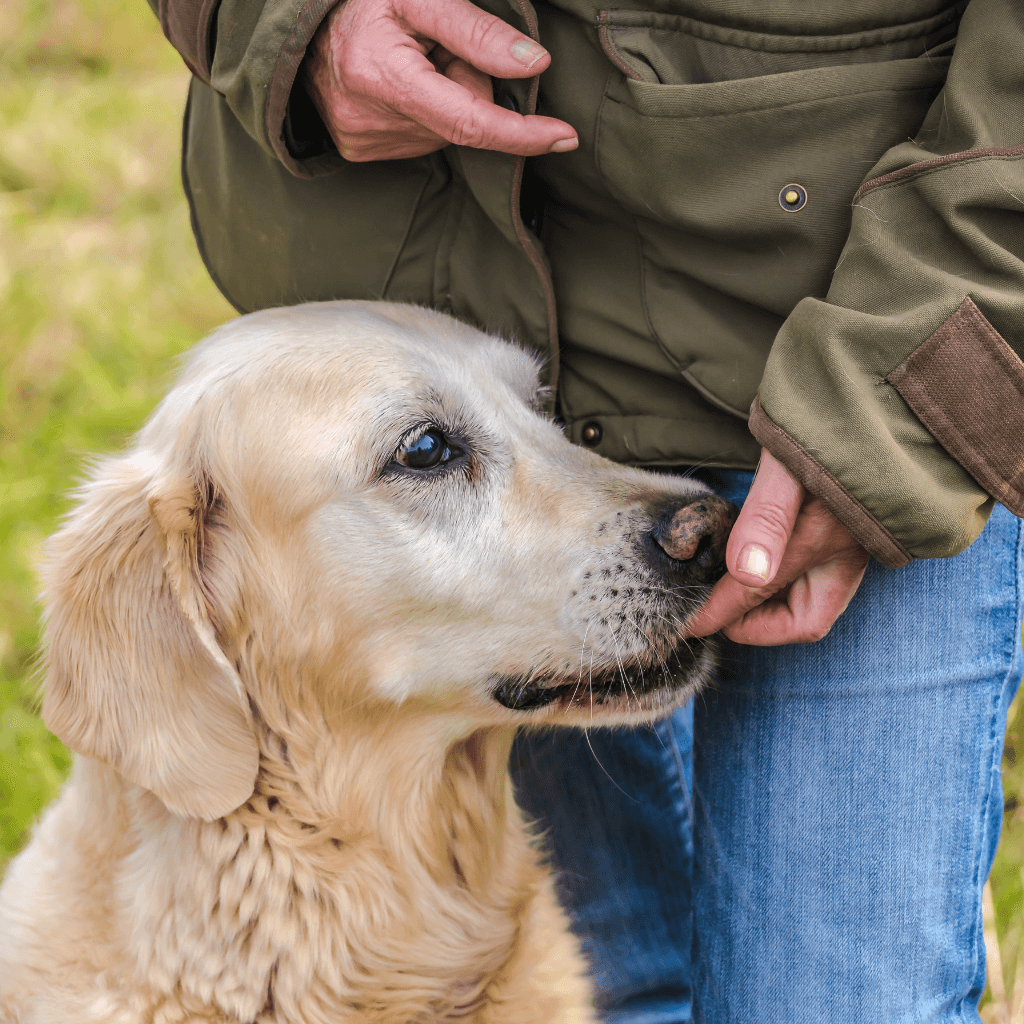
[966, 385]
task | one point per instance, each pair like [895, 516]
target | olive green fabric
[675, 264]
[677, 272]
[405, 231]
[919, 245]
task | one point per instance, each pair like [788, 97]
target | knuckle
[357, 154]
[466, 131]
[486, 33]
[819, 523]
[349, 140]
[357, 146]
[772, 520]
[815, 632]
[361, 77]
[814, 508]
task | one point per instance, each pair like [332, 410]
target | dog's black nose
[694, 536]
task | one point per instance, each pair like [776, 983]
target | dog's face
[367, 496]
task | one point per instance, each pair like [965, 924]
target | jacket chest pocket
[738, 154]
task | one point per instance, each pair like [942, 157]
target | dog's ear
[135, 676]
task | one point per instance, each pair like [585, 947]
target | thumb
[762, 531]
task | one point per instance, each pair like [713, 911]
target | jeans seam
[665, 731]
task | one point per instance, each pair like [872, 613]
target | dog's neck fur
[385, 838]
[380, 873]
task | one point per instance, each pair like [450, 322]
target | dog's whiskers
[625, 678]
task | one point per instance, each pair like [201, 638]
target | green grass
[100, 288]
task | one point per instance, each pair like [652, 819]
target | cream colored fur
[275, 651]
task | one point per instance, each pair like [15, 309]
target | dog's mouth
[670, 680]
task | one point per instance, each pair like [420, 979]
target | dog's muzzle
[684, 552]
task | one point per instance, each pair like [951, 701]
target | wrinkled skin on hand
[793, 567]
[394, 79]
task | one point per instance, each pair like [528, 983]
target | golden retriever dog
[290, 635]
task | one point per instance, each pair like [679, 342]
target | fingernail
[755, 561]
[527, 52]
[564, 145]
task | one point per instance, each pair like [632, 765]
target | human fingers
[786, 546]
[376, 79]
[461, 73]
[486, 42]
[761, 534]
[756, 548]
[466, 119]
[492, 46]
[818, 540]
[727, 603]
[386, 135]
[452, 111]
[809, 608]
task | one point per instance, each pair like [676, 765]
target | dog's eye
[430, 449]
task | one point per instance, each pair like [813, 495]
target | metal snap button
[507, 100]
[591, 434]
[793, 198]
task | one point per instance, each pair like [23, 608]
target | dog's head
[359, 504]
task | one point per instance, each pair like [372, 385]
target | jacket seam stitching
[612, 53]
[767, 106]
[918, 391]
[282, 82]
[773, 428]
[708, 31]
[528, 242]
[536, 260]
[642, 272]
[924, 167]
[682, 368]
[441, 287]
[187, 189]
[941, 426]
[205, 55]
[405, 235]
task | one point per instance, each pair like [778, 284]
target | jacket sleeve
[898, 398]
[250, 52]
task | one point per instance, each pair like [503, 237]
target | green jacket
[797, 224]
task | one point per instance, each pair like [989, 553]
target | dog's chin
[631, 692]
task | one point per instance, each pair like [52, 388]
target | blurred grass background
[100, 288]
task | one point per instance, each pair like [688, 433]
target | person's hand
[793, 567]
[385, 91]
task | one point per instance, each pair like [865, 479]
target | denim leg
[848, 805]
[614, 806]
[848, 802]
[616, 810]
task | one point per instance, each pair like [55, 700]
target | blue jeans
[809, 842]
